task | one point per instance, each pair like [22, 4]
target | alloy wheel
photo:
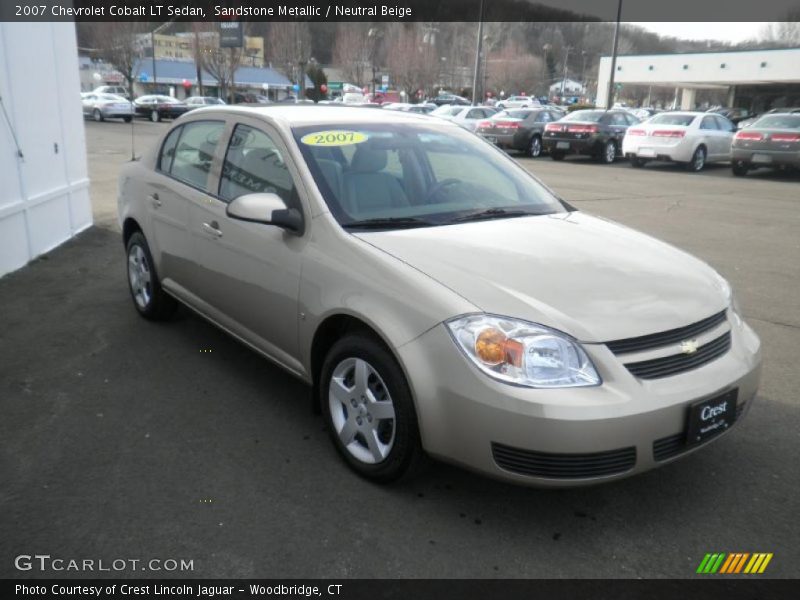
[362, 412]
[610, 152]
[536, 147]
[698, 159]
[140, 277]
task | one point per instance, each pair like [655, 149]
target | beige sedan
[439, 299]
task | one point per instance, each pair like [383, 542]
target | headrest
[369, 160]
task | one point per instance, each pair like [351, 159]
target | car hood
[591, 278]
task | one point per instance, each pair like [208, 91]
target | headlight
[523, 353]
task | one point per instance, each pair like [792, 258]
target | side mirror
[266, 208]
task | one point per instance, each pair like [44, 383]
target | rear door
[711, 137]
[727, 129]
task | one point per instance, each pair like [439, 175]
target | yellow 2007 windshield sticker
[333, 138]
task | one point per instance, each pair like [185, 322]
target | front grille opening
[665, 338]
[679, 363]
[563, 466]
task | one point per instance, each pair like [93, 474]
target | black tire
[159, 306]
[637, 162]
[535, 146]
[97, 116]
[128, 119]
[406, 454]
[739, 168]
[155, 116]
[698, 160]
[608, 154]
[555, 155]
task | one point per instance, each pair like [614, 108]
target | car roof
[302, 115]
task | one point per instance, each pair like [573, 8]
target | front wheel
[128, 119]
[535, 147]
[97, 115]
[148, 296]
[155, 117]
[368, 408]
[739, 168]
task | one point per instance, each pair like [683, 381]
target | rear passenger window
[254, 164]
[194, 152]
[708, 123]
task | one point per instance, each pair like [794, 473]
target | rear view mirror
[266, 208]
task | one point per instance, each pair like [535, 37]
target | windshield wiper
[491, 213]
[390, 223]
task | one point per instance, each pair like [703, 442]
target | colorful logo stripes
[735, 562]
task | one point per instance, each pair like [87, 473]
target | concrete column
[687, 98]
[731, 96]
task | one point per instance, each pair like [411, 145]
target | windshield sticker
[334, 138]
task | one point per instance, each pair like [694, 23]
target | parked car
[451, 99]
[518, 102]
[734, 114]
[518, 129]
[198, 101]
[422, 109]
[596, 133]
[693, 139]
[787, 109]
[156, 107]
[467, 117]
[251, 98]
[117, 90]
[354, 98]
[487, 322]
[101, 106]
[772, 141]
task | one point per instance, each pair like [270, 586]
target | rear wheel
[149, 298]
[367, 406]
[535, 147]
[128, 119]
[555, 155]
[739, 168]
[698, 160]
[97, 115]
[609, 153]
[155, 117]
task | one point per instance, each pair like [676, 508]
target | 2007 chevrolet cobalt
[438, 297]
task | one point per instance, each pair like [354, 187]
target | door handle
[213, 229]
[154, 200]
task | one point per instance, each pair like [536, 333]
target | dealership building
[753, 79]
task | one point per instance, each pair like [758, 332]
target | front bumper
[470, 419]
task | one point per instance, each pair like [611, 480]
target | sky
[728, 32]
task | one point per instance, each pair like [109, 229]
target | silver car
[437, 297]
[101, 106]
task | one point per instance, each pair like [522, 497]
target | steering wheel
[440, 186]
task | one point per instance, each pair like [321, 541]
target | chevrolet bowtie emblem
[689, 346]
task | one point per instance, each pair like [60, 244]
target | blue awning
[176, 71]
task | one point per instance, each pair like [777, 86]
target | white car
[106, 106]
[467, 117]
[690, 138]
[518, 102]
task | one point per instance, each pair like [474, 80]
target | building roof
[176, 71]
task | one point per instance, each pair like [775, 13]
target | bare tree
[221, 63]
[412, 59]
[513, 69]
[784, 33]
[290, 49]
[118, 44]
[353, 51]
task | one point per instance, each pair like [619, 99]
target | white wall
[703, 70]
[44, 195]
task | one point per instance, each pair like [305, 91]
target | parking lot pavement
[127, 439]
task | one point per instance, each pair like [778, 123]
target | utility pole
[610, 96]
[478, 49]
[564, 79]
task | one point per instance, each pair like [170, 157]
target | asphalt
[120, 438]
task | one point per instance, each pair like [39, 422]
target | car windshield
[778, 122]
[591, 116]
[673, 119]
[409, 175]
